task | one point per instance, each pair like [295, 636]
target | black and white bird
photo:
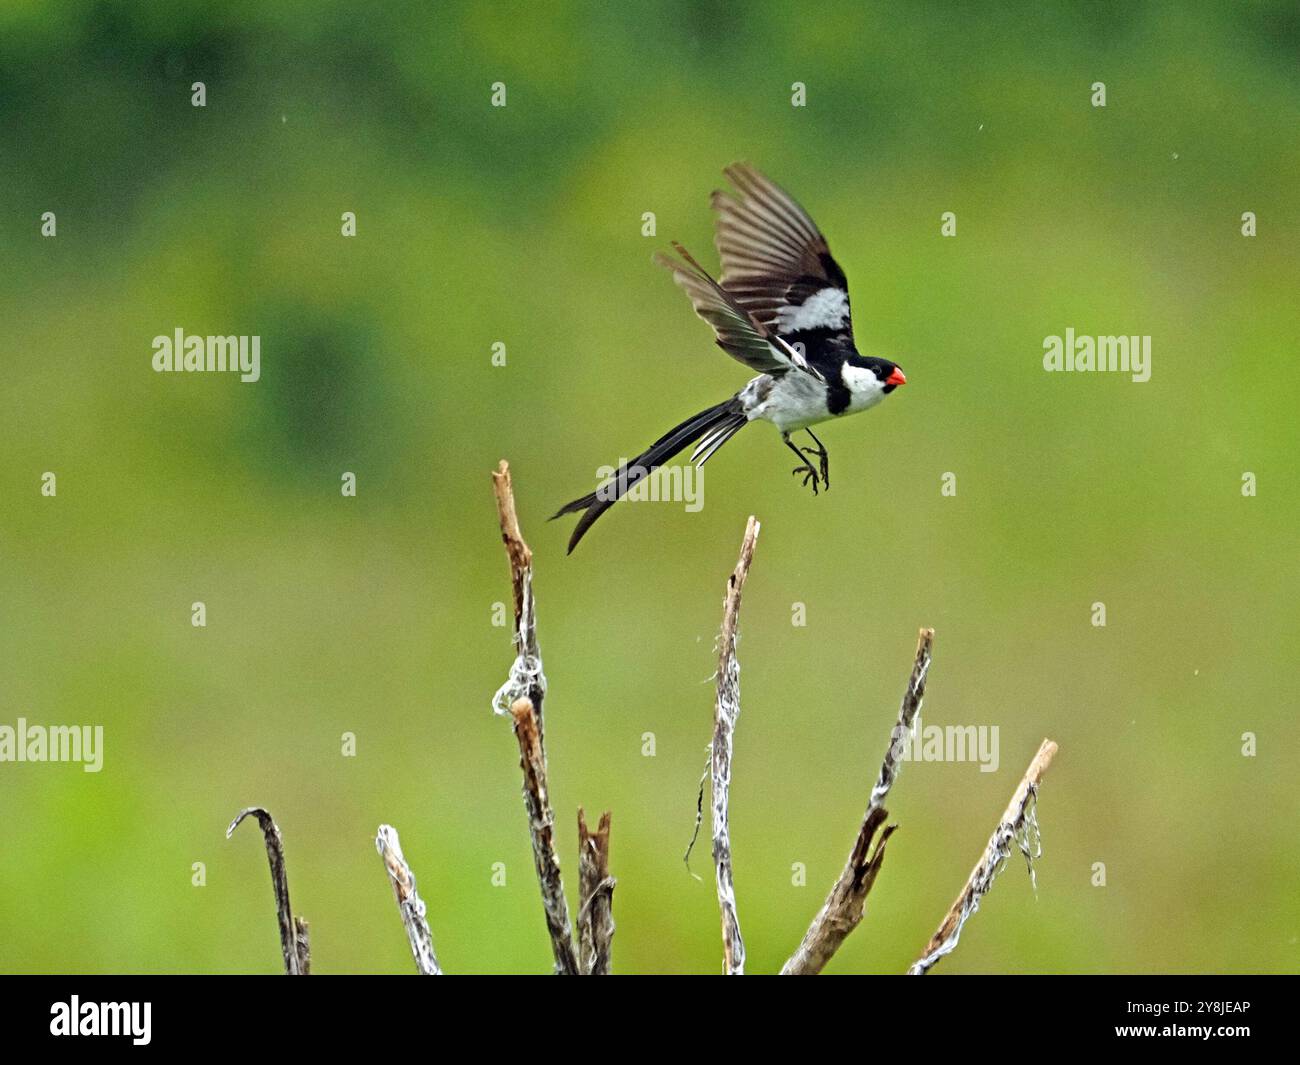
[782, 308]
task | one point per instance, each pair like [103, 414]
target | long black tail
[712, 427]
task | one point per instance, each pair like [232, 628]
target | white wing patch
[827, 308]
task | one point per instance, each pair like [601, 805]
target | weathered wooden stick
[409, 903]
[1019, 825]
[726, 711]
[596, 887]
[845, 905]
[892, 764]
[541, 827]
[522, 696]
[295, 942]
[527, 680]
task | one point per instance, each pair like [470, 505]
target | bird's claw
[823, 460]
[809, 474]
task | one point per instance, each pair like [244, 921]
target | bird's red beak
[896, 378]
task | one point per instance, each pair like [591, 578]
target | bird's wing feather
[738, 333]
[775, 261]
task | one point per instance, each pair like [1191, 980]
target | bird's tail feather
[715, 437]
[712, 428]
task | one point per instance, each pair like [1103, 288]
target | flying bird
[782, 308]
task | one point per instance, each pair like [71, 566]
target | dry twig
[409, 903]
[526, 677]
[1019, 826]
[596, 888]
[892, 764]
[847, 901]
[844, 906]
[521, 696]
[294, 940]
[726, 711]
[541, 827]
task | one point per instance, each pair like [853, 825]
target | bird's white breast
[793, 401]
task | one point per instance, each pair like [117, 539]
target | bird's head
[866, 373]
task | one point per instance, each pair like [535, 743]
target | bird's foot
[823, 461]
[809, 472]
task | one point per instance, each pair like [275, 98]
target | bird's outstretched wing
[775, 261]
[738, 332]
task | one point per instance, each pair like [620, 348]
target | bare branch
[541, 826]
[521, 556]
[726, 711]
[1019, 826]
[409, 903]
[302, 945]
[892, 764]
[847, 901]
[526, 677]
[522, 696]
[596, 914]
[294, 940]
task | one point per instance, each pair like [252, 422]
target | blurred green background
[522, 225]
